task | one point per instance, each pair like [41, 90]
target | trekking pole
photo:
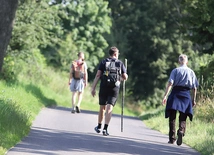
[123, 98]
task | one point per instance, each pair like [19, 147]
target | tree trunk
[7, 14]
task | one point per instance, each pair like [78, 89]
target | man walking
[110, 71]
[182, 79]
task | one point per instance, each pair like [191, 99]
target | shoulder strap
[73, 64]
[83, 67]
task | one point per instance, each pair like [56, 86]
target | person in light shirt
[182, 80]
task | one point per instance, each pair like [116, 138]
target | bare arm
[168, 88]
[96, 79]
[125, 76]
[70, 76]
[86, 78]
[194, 96]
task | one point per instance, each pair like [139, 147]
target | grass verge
[20, 103]
[199, 134]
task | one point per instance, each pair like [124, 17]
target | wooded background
[150, 34]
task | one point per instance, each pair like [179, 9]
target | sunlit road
[56, 131]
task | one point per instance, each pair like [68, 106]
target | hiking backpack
[78, 69]
[111, 75]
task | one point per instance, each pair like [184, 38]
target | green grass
[21, 102]
[199, 134]
[16, 106]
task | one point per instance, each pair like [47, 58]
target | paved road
[56, 131]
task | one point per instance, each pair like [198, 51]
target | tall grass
[20, 102]
[199, 133]
[15, 115]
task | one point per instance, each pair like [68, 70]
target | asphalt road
[56, 131]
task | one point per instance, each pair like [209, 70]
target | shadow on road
[93, 112]
[46, 140]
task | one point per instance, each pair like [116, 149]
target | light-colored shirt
[183, 76]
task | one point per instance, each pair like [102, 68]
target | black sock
[99, 125]
[105, 127]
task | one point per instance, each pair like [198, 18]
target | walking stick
[123, 98]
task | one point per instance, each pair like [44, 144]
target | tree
[7, 15]
[152, 29]
[36, 26]
[86, 22]
[198, 21]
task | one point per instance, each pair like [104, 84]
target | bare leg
[74, 94]
[101, 114]
[79, 98]
[109, 109]
[100, 118]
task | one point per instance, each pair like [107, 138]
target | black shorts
[108, 95]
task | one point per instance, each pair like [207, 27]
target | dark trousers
[172, 122]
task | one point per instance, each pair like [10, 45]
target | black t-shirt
[102, 67]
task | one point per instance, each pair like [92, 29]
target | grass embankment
[21, 102]
[199, 133]
[19, 105]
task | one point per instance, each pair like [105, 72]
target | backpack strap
[80, 68]
[111, 63]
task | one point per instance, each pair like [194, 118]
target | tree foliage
[59, 31]
[150, 34]
[84, 22]
[154, 41]
[33, 30]
[7, 15]
[198, 23]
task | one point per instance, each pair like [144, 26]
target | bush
[8, 70]
[14, 123]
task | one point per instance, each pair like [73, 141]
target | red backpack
[78, 69]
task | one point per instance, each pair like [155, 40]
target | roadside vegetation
[21, 101]
[48, 34]
[199, 132]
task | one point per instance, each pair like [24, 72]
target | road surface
[56, 131]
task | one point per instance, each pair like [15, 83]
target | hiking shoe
[78, 109]
[179, 140]
[97, 129]
[171, 142]
[73, 111]
[105, 133]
